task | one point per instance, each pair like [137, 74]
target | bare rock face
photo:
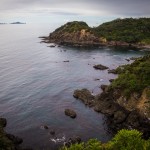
[100, 67]
[70, 113]
[85, 96]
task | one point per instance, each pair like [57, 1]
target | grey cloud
[65, 7]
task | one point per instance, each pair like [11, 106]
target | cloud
[118, 8]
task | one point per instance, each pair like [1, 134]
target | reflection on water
[36, 86]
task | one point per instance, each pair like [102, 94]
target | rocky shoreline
[59, 42]
[117, 116]
[121, 112]
[9, 141]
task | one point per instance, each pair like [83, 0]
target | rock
[133, 119]
[100, 67]
[72, 140]
[70, 113]
[111, 80]
[96, 79]
[3, 122]
[127, 59]
[119, 116]
[52, 132]
[52, 45]
[85, 96]
[66, 61]
[45, 127]
[112, 71]
[104, 87]
[16, 140]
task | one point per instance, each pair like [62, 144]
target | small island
[119, 32]
[17, 23]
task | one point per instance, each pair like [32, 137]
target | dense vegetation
[123, 140]
[128, 30]
[134, 77]
[73, 27]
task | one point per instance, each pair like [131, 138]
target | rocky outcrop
[85, 96]
[73, 140]
[100, 67]
[70, 113]
[119, 116]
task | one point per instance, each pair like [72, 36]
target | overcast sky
[46, 10]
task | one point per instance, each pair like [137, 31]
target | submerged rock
[100, 67]
[66, 61]
[45, 127]
[52, 132]
[70, 113]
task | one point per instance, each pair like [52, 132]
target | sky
[94, 11]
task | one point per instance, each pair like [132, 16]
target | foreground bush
[123, 140]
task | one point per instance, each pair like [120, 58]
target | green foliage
[128, 30]
[128, 140]
[73, 27]
[134, 77]
[123, 140]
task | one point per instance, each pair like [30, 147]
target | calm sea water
[36, 86]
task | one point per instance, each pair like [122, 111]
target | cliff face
[78, 38]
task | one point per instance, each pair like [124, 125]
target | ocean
[36, 86]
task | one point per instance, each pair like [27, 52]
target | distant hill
[125, 32]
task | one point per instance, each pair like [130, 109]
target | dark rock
[52, 132]
[72, 140]
[16, 140]
[66, 61]
[127, 59]
[100, 67]
[85, 96]
[114, 71]
[51, 45]
[134, 119]
[70, 113]
[96, 79]
[46, 127]
[111, 80]
[104, 87]
[3, 122]
[119, 116]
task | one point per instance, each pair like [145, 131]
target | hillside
[128, 30]
[123, 32]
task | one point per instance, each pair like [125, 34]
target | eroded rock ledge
[119, 117]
